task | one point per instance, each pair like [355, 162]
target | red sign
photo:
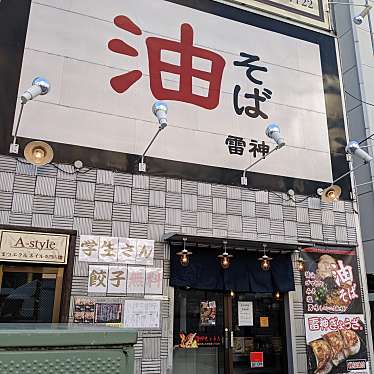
[257, 359]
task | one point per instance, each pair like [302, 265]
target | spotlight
[184, 255]
[225, 257]
[160, 110]
[360, 17]
[265, 260]
[40, 86]
[353, 148]
[273, 132]
[38, 153]
[330, 194]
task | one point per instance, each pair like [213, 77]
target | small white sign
[108, 250]
[153, 281]
[135, 280]
[89, 248]
[97, 278]
[142, 314]
[127, 250]
[117, 281]
[145, 251]
[245, 313]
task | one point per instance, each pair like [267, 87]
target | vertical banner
[334, 319]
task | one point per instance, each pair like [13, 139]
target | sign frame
[64, 260]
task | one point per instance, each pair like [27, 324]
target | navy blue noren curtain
[244, 275]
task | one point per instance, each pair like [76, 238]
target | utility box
[66, 349]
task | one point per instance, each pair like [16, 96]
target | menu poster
[208, 313]
[153, 281]
[330, 282]
[142, 314]
[135, 280]
[336, 343]
[89, 248]
[108, 313]
[84, 310]
[97, 278]
[334, 320]
[245, 313]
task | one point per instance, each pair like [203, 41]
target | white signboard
[89, 248]
[117, 281]
[311, 12]
[39, 247]
[153, 281]
[142, 314]
[102, 249]
[145, 251]
[135, 280]
[224, 82]
[245, 313]
[108, 249]
[97, 278]
[127, 250]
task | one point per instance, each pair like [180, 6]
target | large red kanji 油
[184, 71]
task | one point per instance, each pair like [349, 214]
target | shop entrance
[30, 293]
[228, 333]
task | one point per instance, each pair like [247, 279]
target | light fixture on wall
[273, 132]
[38, 153]
[265, 260]
[160, 110]
[300, 263]
[277, 296]
[184, 255]
[225, 257]
[333, 192]
[40, 86]
[359, 18]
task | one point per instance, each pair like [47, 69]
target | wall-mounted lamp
[40, 86]
[360, 17]
[273, 132]
[184, 255]
[333, 192]
[225, 257]
[277, 296]
[160, 110]
[265, 260]
[38, 153]
[300, 263]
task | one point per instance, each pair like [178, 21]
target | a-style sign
[310, 12]
[224, 81]
[36, 247]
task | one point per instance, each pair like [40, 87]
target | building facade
[119, 231]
